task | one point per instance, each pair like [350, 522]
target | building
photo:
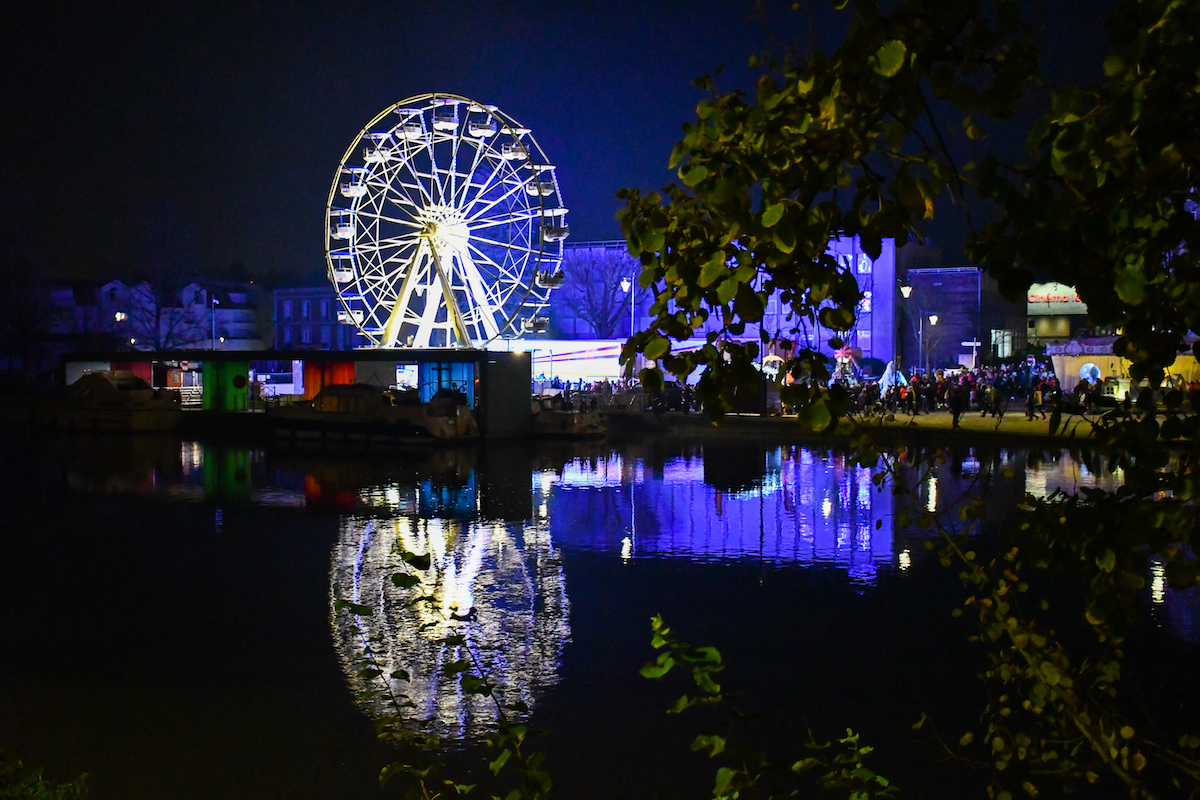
[1056, 314]
[308, 318]
[600, 299]
[956, 316]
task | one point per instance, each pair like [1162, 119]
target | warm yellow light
[1158, 585]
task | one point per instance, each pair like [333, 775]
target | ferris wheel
[444, 226]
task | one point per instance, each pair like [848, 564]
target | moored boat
[360, 412]
[109, 401]
[550, 418]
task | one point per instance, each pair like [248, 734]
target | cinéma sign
[1053, 299]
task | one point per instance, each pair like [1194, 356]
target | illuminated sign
[1053, 299]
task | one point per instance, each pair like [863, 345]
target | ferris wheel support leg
[391, 329]
[483, 302]
[456, 317]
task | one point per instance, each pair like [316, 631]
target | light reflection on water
[498, 540]
[800, 508]
[500, 586]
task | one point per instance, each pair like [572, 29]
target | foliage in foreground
[747, 770]
[18, 782]
[856, 143]
[1058, 712]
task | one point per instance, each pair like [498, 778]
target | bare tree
[167, 316]
[592, 286]
[149, 316]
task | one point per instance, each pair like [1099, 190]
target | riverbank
[1012, 427]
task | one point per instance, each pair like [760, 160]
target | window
[1002, 343]
[111, 295]
[287, 337]
[287, 309]
[326, 335]
[324, 309]
[305, 309]
[306, 334]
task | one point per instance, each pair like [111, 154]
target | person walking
[957, 400]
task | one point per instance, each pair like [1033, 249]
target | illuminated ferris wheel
[444, 226]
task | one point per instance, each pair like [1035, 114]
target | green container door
[226, 385]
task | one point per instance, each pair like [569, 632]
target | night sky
[208, 133]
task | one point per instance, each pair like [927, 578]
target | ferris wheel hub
[445, 226]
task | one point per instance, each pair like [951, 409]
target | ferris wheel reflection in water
[499, 586]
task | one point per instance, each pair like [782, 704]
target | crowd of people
[988, 391]
[1033, 390]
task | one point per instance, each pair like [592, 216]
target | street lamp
[897, 361]
[627, 286]
[933, 318]
[906, 292]
[215, 303]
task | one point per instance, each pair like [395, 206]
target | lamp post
[627, 286]
[214, 304]
[933, 318]
[906, 292]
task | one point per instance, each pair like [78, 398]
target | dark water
[169, 629]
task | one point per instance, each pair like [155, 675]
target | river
[171, 624]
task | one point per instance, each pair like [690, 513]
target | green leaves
[1130, 285]
[658, 347]
[748, 771]
[498, 764]
[713, 745]
[403, 580]
[772, 214]
[354, 608]
[472, 684]
[661, 666]
[692, 175]
[420, 562]
[784, 238]
[713, 269]
[889, 58]
[455, 667]
[852, 143]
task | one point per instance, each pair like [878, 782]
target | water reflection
[498, 585]
[783, 506]
[1007, 475]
